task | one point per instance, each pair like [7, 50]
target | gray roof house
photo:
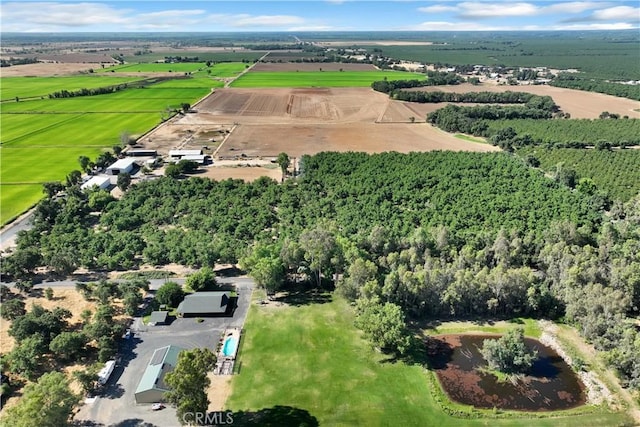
[158, 318]
[207, 304]
[151, 387]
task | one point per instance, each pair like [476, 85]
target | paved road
[9, 232]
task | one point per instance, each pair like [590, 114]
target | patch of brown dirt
[218, 391]
[241, 171]
[45, 69]
[580, 104]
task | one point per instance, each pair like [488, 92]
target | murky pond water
[550, 385]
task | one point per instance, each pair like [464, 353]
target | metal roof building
[100, 181]
[207, 303]
[182, 153]
[121, 166]
[151, 387]
[158, 317]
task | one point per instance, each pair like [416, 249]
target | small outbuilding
[101, 181]
[140, 152]
[121, 166]
[212, 303]
[152, 386]
[158, 318]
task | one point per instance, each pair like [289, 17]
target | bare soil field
[45, 69]
[245, 172]
[308, 66]
[580, 104]
[265, 122]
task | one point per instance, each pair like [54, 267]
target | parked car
[127, 334]
[157, 406]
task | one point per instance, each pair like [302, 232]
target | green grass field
[311, 359]
[320, 78]
[43, 138]
[28, 87]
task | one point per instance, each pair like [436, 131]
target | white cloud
[617, 13]
[485, 10]
[52, 15]
[603, 26]
[246, 20]
[452, 26]
[439, 8]
[572, 7]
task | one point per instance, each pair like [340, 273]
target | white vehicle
[105, 373]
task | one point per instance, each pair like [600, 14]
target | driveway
[116, 405]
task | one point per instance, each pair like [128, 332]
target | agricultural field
[579, 104]
[144, 67]
[217, 55]
[31, 87]
[42, 138]
[320, 78]
[309, 358]
[267, 121]
[617, 172]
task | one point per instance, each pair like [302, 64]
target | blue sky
[307, 15]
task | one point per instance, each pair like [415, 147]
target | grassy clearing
[27, 87]
[320, 78]
[531, 327]
[469, 138]
[311, 358]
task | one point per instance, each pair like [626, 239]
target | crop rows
[615, 171]
[28, 87]
[574, 130]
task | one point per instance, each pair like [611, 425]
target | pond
[550, 385]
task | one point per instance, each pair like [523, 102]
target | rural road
[10, 231]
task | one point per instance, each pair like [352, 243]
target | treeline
[571, 81]
[4, 62]
[420, 235]
[87, 92]
[574, 133]
[434, 78]
[507, 97]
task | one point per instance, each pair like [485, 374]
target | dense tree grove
[572, 81]
[434, 78]
[507, 97]
[425, 235]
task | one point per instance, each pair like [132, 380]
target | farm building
[151, 386]
[179, 154]
[121, 166]
[215, 303]
[139, 152]
[101, 181]
[200, 159]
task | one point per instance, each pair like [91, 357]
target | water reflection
[550, 385]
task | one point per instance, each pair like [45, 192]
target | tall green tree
[264, 265]
[188, 382]
[49, 402]
[283, 161]
[170, 294]
[509, 353]
[203, 279]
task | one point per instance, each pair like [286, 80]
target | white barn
[101, 181]
[121, 166]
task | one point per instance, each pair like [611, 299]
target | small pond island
[463, 372]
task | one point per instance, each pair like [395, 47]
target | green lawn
[321, 78]
[309, 364]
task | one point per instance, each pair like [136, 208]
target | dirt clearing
[580, 104]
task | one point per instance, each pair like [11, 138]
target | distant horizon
[114, 16]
